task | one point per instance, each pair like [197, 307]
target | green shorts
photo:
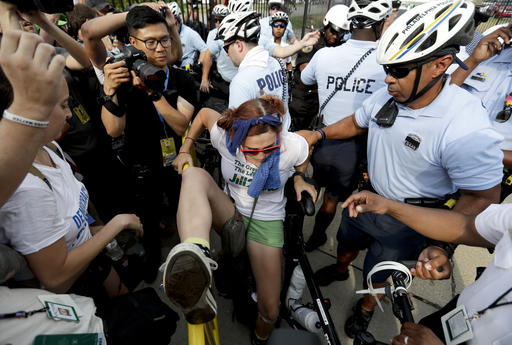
[267, 232]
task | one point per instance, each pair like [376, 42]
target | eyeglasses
[226, 47]
[279, 25]
[152, 43]
[275, 7]
[266, 150]
[399, 72]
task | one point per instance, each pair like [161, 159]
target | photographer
[149, 121]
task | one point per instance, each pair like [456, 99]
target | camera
[47, 6]
[136, 60]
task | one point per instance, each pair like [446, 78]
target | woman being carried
[257, 160]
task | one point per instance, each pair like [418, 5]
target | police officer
[488, 77]
[275, 6]
[353, 78]
[190, 40]
[258, 72]
[304, 103]
[426, 139]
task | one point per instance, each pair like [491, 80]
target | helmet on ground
[174, 8]
[336, 18]
[220, 11]
[239, 6]
[279, 16]
[240, 25]
[365, 13]
[433, 29]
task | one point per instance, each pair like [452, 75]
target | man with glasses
[149, 124]
[304, 105]
[224, 64]
[426, 139]
[266, 30]
[354, 77]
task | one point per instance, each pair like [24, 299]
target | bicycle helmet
[174, 8]
[433, 29]
[240, 25]
[220, 11]
[278, 2]
[336, 18]
[366, 13]
[239, 6]
[279, 16]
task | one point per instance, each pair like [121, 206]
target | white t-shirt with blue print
[328, 68]
[259, 74]
[224, 64]
[433, 151]
[191, 43]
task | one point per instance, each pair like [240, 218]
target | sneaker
[328, 274]
[187, 279]
[315, 241]
[359, 321]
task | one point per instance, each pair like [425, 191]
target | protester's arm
[206, 118]
[34, 76]
[93, 32]
[441, 225]
[207, 65]
[76, 51]
[57, 269]
[488, 46]
[309, 39]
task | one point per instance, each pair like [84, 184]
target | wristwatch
[109, 104]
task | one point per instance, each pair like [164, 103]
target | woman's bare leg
[266, 267]
[202, 203]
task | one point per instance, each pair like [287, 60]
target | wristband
[25, 121]
[187, 153]
[322, 133]
[114, 108]
[299, 173]
[187, 137]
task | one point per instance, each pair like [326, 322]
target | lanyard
[493, 305]
[160, 115]
[22, 314]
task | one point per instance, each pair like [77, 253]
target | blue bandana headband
[267, 175]
[241, 127]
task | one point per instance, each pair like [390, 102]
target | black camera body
[136, 60]
[47, 6]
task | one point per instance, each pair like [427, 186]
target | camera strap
[160, 115]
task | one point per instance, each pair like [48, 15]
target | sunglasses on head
[266, 150]
[279, 25]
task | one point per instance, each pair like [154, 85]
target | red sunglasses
[266, 150]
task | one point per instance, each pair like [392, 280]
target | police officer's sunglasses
[275, 7]
[266, 150]
[399, 72]
[218, 19]
[279, 25]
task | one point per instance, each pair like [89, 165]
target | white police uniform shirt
[259, 74]
[328, 68]
[191, 43]
[491, 81]
[433, 151]
[493, 327]
[224, 64]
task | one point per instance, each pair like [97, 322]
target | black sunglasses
[279, 25]
[504, 115]
[398, 72]
[226, 47]
[275, 7]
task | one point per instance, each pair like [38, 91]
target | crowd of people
[102, 110]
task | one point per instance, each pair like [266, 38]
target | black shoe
[359, 321]
[328, 274]
[315, 241]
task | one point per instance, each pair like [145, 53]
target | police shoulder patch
[307, 49]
